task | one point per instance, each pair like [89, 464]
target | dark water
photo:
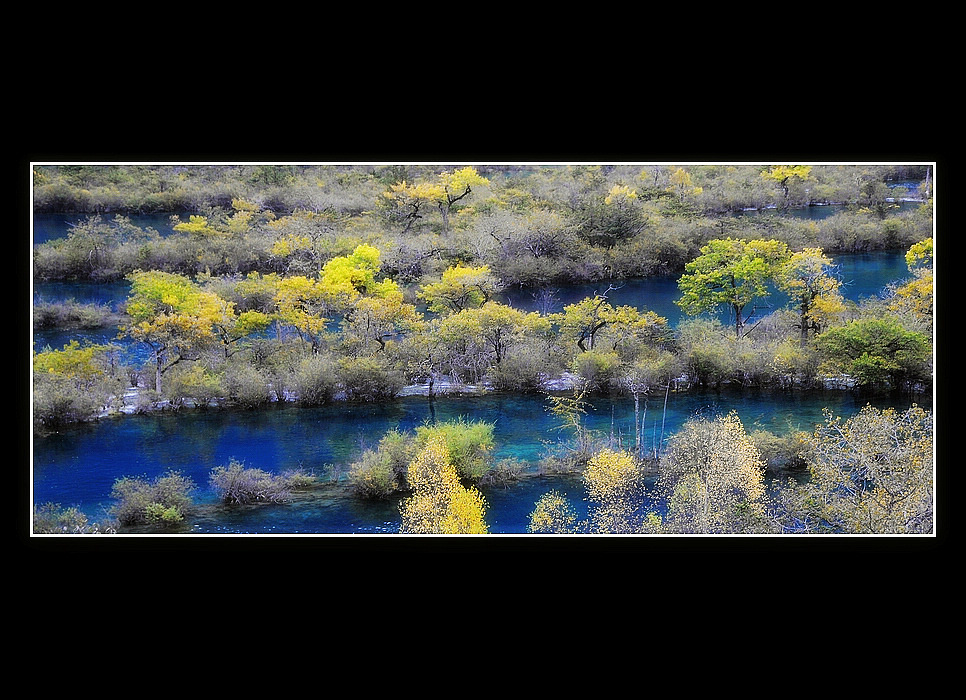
[79, 466]
[862, 274]
[47, 227]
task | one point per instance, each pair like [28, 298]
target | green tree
[877, 352]
[733, 273]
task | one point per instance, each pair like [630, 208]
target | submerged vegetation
[311, 284]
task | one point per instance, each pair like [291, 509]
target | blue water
[79, 465]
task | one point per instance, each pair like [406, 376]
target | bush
[599, 369]
[193, 383]
[72, 315]
[469, 444]
[72, 384]
[236, 485]
[522, 369]
[314, 380]
[381, 472]
[708, 351]
[165, 501]
[367, 379]
[246, 386]
[52, 519]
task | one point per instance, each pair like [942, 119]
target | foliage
[439, 504]
[870, 474]
[164, 501]
[730, 272]
[712, 476]
[553, 514]
[877, 352]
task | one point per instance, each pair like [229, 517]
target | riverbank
[136, 400]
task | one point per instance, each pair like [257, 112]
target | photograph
[525, 351]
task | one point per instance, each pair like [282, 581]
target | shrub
[164, 501]
[522, 369]
[367, 379]
[52, 519]
[72, 384]
[469, 444]
[599, 369]
[193, 383]
[707, 350]
[246, 386]
[381, 472]
[877, 351]
[236, 485]
[314, 380]
[70, 314]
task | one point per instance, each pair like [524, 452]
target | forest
[307, 285]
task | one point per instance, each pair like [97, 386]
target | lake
[78, 466]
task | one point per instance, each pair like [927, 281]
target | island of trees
[312, 284]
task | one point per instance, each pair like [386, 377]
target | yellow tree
[455, 186]
[302, 304]
[439, 504]
[553, 514]
[916, 296]
[870, 474]
[407, 201]
[174, 317]
[784, 175]
[615, 488]
[460, 288]
[809, 278]
[376, 318]
[712, 476]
